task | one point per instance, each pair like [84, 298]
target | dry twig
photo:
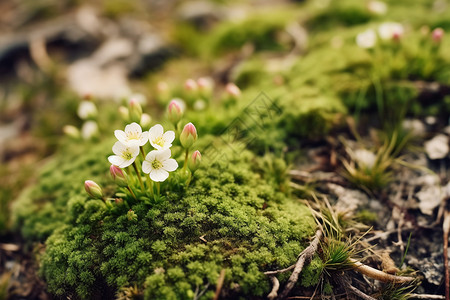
[306, 254]
[379, 275]
[219, 284]
[426, 296]
[275, 286]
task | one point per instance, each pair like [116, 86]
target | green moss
[249, 227]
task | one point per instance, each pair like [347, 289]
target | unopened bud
[437, 35]
[195, 160]
[205, 86]
[71, 131]
[131, 215]
[118, 201]
[124, 113]
[146, 121]
[119, 176]
[190, 85]
[135, 110]
[175, 110]
[93, 189]
[232, 90]
[87, 110]
[89, 130]
[188, 135]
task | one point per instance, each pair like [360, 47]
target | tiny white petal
[170, 165]
[159, 175]
[118, 148]
[162, 155]
[155, 131]
[134, 151]
[144, 139]
[121, 136]
[133, 128]
[116, 160]
[151, 155]
[126, 163]
[146, 167]
[169, 136]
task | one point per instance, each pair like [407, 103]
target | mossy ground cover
[230, 218]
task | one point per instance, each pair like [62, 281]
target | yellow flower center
[156, 164]
[127, 155]
[159, 141]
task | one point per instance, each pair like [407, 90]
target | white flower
[132, 136]
[158, 164]
[159, 139]
[366, 39]
[89, 130]
[377, 7]
[124, 155]
[390, 30]
[87, 109]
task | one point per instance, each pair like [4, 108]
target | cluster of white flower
[387, 31]
[157, 163]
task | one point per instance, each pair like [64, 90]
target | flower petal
[159, 175]
[169, 136]
[151, 156]
[163, 155]
[144, 139]
[126, 163]
[118, 148]
[170, 165]
[155, 132]
[121, 136]
[146, 167]
[116, 160]
[133, 127]
[134, 150]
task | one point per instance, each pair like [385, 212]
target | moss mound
[229, 218]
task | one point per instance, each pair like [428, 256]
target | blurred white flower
[124, 155]
[377, 7]
[89, 130]
[158, 164]
[366, 39]
[159, 139]
[132, 136]
[87, 109]
[390, 30]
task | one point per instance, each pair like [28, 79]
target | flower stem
[186, 160]
[143, 152]
[132, 193]
[138, 175]
[150, 186]
[158, 188]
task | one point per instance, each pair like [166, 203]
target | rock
[348, 200]
[86, 77]
[414, 126]
[437, 147]
[430, 197]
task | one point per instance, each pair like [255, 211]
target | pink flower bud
[194, 161]
[93, 189]
[437, 35]
[175, 111]
[135, 110]
[190, 85]
[124, 113]
[232, 90]
[205, 84]
[146, 121]
[119, 176]
[188, 135]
